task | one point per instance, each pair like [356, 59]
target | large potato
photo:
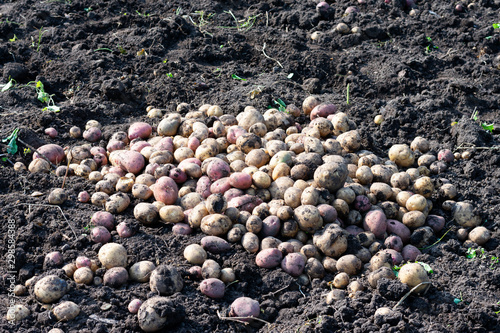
[128, 160]
[413, 274]
[50, 289]
[463, 213]
[331, 240]
[215, 224]
[112, 255]
[166, 190]
[331, 176]
[308, 218]
[54, 153]
[159, 312]
[402, 155]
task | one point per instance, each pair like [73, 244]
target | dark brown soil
[88, 57]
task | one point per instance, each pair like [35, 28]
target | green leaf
[471, 253]
[496, 25]
[53, 108]
[427, 268]
[12, 146]
[488, 127]
[236, 77]
[8, 85]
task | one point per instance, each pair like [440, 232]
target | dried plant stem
[264, 52]
[242, 319]
[36, 151]
[49, 206]
[408, 293]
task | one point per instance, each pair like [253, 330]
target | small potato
[146, 213]
[250, 242]
[410, 253]
[165, 280]
[314, 269]
[215, 224]
[416, 202]
[414, 274]
[414, 219]
[261, 179]
[294, 264]
[341, 280]
[364, 175]
[480, 235]
[382, 191]
[112, 255]
[424, 186]
[401, 180]
[100, 235]
[402, 155]
[66, 311]
[195, 254]
[141, 271]
[115, 277]
[83, 275]
[464, 215]
[141, 191]
[448, 191]
[349, 264]
[117, 203]
[331, 176]
[171, 214]
[159, 312]
[350, 141]
[376, 275]
[331, 240]
[213, 288]
[269, 258]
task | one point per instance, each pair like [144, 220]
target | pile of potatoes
[293, 194]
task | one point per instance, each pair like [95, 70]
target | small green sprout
[44, 97]
[281, 105]
[494, 261]
[26, 151]
[13, 39]
[458, 300]
[170, 75]
[430, 47]
[9, 85]
[88, 9]
[12, 139]
[496, 25]
[474, 253]
[165, 60]
[178, 11]
[485, 126]
[347, 94]
[39, 43]
[236, 77]
[142, 14]
[427, 268]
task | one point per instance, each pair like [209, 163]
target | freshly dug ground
[426, 72]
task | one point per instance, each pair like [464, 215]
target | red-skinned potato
[53, 152]
[269, 258]
[244, 307]
[213, 288]
[139, 130]
[375, 221]
[130, 161]
[240, 180]
[294, 264]
[165, 190]
[323, 110]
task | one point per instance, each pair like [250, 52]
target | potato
[421, 237]
[54, 153]
[382, 191]
[331, 240]
[293, 264]
[308, 218]
[17, 313]
[112, 255]
[215, 224]
[159, 312]
[437, 223]
[215, 244]
[341, 280]
[349, 264]
[165, 190]
[448, 191]
[269, 258]
[117, 203]
[254, 224]
[83, 275]
[50, 289]
[410, 253]
[279, 186]
[66, 311]
[100, 235]
[416, 202]
[115, 277]
[413, 274]
[381, 259]
[421, 144]
[244, 308]
[382, 272]
[165, 280]
[397, 228]
[376, 222]
[128, 160]
[331, 176]
[250, 242]
[480, 235]
[424, 187]
[364, 175]
[350, 141]
[414, 219]
[463, 213]
[401, 180]
[213, 288]
[195, 254]
[141, 271]
[245, 202]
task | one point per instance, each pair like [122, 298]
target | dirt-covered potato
[364, 175]
[165, 280]
[401, 180]
[215, 224]
[159, 312]
[141, 271]
[83, 275]
[210, 269]
[141, 191]
[112, 255]
[50, 289]
[66, 311]
[195, 254]
[464, 215]
[414, 274]
[480, 235]
[349, 264]
[115, 277]
[380, 259]
[308, 218]
[414, 219]
[314, 268]
[421, 144]
[215, 244]
[213, 288]
[350, 141]
[382, 191]
[331, 176]
[331, 240]
[382, 272]
[424, 186]
[146, 213]
[448, 191]
[402, 155]
[341, 280]
[269, 258]
[410, 253]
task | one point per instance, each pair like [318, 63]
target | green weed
[12, 142]
[485, 126]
